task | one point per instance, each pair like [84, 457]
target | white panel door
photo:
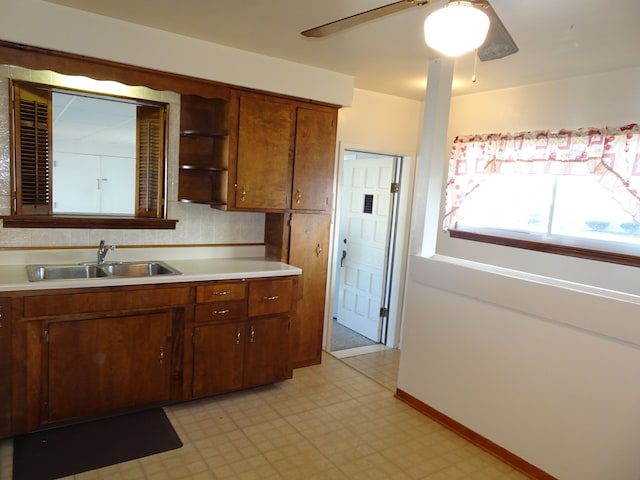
[364, 233]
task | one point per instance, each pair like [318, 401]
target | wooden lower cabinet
[218, 358]
[101, 365]
[5, 367]
[267, 351]
[67, 355]
[242, 344]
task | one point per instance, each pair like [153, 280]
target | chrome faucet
[103, 250]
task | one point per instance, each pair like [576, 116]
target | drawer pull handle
[161, 355]
[253, 334]
[271, 298]
[223, 292]
[238, 336]
[220, 312]
[318, 250]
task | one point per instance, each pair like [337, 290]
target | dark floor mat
[63, 451]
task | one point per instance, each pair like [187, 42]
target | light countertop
[13, 277]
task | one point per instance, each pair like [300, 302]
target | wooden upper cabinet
[264, 151]
[314, 159]
[257, 152]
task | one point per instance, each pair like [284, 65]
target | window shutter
[150, 141]
[32, 110]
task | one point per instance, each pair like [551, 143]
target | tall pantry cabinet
[278, 159]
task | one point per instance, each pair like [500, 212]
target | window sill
[567, 250]
[88, 222]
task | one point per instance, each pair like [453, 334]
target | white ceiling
[557, 38]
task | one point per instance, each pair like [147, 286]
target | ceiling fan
[498, 43]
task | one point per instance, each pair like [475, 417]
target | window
[570, 188]
[86, 166]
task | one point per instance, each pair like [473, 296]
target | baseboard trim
[478, 440]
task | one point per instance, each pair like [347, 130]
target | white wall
[44, 24]
[539, 353]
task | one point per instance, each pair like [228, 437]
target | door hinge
[395, 187]
[384, 312]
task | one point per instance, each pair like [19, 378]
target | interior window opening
[81, 154]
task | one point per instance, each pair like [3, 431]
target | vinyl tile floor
[381, 366]
[329, 422]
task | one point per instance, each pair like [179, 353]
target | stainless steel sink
[37, 273]
[138, 269]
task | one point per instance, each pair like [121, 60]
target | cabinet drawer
[221, 292]
[270, 296]
[220, 312]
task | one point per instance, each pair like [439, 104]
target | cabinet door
[104, 364]
[218, 358]
[308, 250]
[265, 137]
[314, 160]
[5, 367]
[267, 350]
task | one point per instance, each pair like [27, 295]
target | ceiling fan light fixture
[456, 29]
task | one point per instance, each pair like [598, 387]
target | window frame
[151, 160]
[544, 152]
[546, 247]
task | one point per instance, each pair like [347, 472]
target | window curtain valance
[611, 155]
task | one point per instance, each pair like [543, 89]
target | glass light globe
[456, 29]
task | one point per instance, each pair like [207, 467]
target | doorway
[364, 246]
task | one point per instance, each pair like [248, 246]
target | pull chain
[475, 66]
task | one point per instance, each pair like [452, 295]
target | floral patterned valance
[611, 154]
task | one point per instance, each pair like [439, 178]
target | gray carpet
[343, 338]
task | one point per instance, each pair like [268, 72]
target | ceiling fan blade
[499, 42]
[359, 18]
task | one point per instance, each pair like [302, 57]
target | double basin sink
[37, 273]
